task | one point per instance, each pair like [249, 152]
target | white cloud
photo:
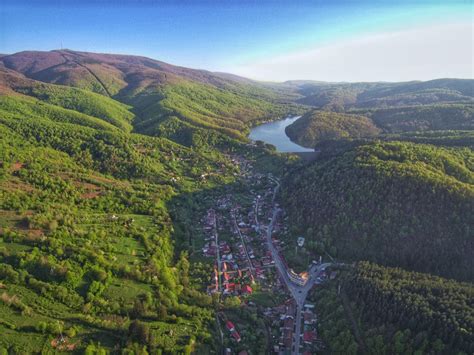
[423, 53]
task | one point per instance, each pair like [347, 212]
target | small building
[300, 241]
[230, 326]
[309, 337]
[236, 336]
[247, 289]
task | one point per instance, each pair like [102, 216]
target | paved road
[298, 292]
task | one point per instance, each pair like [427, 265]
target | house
[300, 241]
[236, 336]
[288, 323]
[287, 337]
[230, 326]
[308, 337]
[230, 287]
[247, 289]
[309, 317]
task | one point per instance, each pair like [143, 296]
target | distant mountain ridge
[166, 99]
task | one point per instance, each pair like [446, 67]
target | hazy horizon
[349, 41]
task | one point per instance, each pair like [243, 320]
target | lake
[274, 133]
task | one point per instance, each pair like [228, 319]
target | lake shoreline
[274, 133]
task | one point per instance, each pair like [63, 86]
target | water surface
[274, 133]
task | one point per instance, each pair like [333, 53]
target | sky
[334, 40]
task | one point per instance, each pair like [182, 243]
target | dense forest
[345, 96]
[161, 95]
[372, 309]
[366, 109]
[316, 126]
[395, 203]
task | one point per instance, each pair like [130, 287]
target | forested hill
[395, 312]
[317, 126]
[345, 96]
[355, 110]
[402, 204]
[166, 100]
[88, 248]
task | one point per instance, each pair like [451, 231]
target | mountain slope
[395, 312]
[87, 243]
[344, 96]
[316, 126]
[425, 118]
[402, 204]
[158, 91]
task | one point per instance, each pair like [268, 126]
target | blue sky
[231, 36]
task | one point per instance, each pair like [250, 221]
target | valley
[137, 217]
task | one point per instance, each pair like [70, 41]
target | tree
[139, 331]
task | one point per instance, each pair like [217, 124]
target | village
[237, 232]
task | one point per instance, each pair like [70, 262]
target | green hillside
[201, 105]
[424, 118]
[382, 310]
[27, 108]
[108, 162]
[87, 244]
[402, 204]
[86, 102]
[154, 91]
[344, 96]
[316, 126]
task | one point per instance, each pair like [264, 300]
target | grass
[266, 299]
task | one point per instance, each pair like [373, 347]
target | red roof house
[247, 289]
[229, 325]
[236, 336]
[308, 337]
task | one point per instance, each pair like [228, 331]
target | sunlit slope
[87, 244]
[28, 97]
[158, 91]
